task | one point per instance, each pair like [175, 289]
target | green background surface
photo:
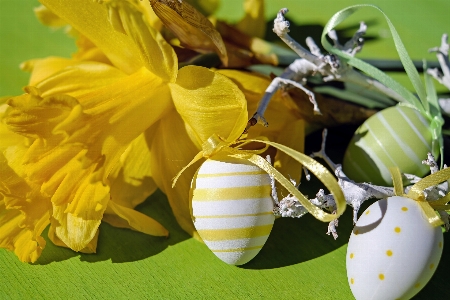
[299, 261]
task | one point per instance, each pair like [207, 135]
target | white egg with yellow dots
[232, 207]
[393, 250]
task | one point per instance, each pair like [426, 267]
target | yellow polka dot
[417, 285]
[389, 253]
[381, 276]
[356, 232]
[440, 244]
[397, 229]
[352, 281]
[431, 266]
[404, 208]
[351, 255]
[367, 212]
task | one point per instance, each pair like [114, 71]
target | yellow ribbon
[416, 193]
[215, 144]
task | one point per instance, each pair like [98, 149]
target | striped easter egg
[232, 208]
[396, 136]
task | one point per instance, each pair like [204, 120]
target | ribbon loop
[416, 193]
[213, 145]
[216, 144]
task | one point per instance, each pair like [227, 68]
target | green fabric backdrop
[299, 261]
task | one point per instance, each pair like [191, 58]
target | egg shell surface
[393, 250]
[398, 136]
[232, 208]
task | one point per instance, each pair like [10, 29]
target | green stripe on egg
[396, 136]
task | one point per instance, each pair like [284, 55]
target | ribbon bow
[416, 193]
[216, 144]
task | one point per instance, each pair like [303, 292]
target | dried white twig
[434, 192]
[357, 193]
[442, 56]
[277, 83]
[445, 217]
[444, 103]
[273, 185]
[313, 62]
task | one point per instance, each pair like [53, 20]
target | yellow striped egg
[393, 250]
[232, 208]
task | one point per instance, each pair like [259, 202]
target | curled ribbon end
[416, 193]
[397, 180]
[193, 161]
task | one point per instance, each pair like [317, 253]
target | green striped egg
[396, 136]
[232, 208]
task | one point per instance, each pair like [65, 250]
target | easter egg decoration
[233, 195]
[396, 244]
[232, 208]
[393, 250]
[396, 136]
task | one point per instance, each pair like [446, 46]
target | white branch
[357, 193]
[442, 56]
[313, 62]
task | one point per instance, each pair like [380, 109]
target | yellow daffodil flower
[94, 135]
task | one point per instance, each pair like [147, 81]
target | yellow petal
[79, 140]
[144, 99]
[91, 19]
[150, 15]
[7, 137]
[281, 110]
[131, 180]
[79, 78]
[91, 247]
[171, 150]
[43, 68]
[254, 22]
[293, 136]
[24, 212]
[193, 29]
[209, 103]
[88, 51]
[105, 25]
[48, 18]
[108, 118]
[285, 125]
[77, 230]
[26, 243]
[156, 54]
[135, 220]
